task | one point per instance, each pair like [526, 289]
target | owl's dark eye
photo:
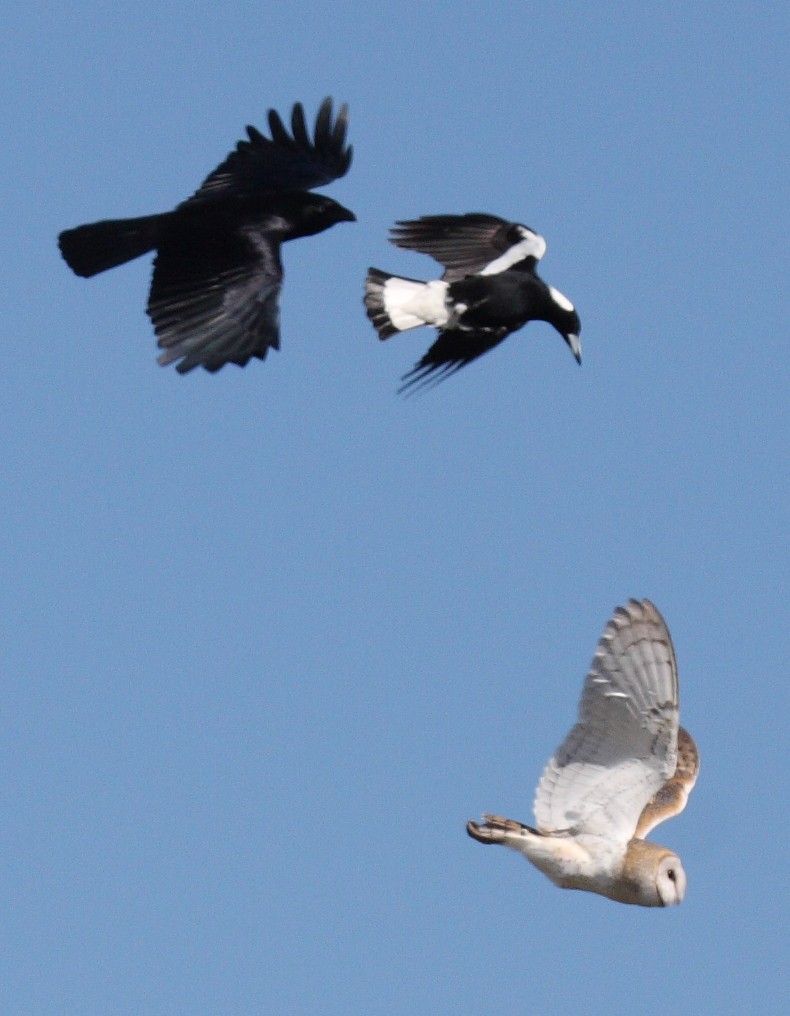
[671, 874]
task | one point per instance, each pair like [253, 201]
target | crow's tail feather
[98, 246]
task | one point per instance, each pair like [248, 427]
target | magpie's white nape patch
[560, 299]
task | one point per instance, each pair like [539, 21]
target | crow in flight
[217, 273]
[489, 289]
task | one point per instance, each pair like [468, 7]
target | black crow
[489, 289]
[217, 273]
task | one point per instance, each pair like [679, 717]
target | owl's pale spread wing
[623, 748]
[673, 797]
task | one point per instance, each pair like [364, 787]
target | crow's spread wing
[452, 350]
[215, 298]
[285, 162]
[470, 244]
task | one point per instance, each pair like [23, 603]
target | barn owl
[625, 767]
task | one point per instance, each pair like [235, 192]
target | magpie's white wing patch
[472, 244]
[531, 245]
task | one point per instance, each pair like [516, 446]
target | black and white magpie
[489, 289]
[217, 273]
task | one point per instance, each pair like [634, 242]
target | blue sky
[272, 636]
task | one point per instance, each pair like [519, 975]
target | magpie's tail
[395, 304]
[376, 303]
[98, 246]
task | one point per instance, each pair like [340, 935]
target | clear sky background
[272, 636]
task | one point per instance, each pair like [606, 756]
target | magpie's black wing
[215, 298]
[452, 350]
[470, 244]
[285, 162]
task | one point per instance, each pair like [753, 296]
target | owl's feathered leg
[495, 829]
[562, 858]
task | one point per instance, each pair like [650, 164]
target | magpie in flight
[489, 289]
[217, 273]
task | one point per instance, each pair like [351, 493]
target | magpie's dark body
[217, 273]
[489, 289]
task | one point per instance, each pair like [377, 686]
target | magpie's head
[565, 319]
[317, 213]
[571, 336]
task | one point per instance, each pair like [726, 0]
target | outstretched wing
[623, 748]
[470, 244]
[215, 298]
[452, 350]
[673, 797]
[285, 162]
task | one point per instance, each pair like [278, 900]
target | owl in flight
[625, 767]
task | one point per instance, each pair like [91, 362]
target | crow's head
[313, 213]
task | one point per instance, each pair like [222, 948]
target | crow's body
[217, 274]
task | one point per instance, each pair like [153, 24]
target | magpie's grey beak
[576, 346]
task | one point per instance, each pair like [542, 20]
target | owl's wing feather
[623, 748]
[673, 797]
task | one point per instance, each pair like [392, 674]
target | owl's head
[670, 880]
[652, 876]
